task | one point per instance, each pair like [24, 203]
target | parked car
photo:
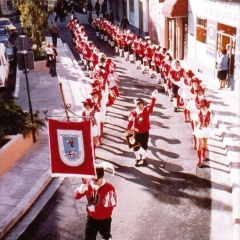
[5, 22]
[8, 45]
[4, 30]
[4, 66]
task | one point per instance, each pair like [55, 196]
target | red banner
[71, 149]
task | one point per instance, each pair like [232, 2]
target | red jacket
[106, 200]
[140, 122]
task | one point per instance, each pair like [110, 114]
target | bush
[14, 120]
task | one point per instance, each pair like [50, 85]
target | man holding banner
[102, 198]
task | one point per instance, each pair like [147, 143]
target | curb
[9, 221]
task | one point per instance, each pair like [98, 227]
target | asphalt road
[167, 199]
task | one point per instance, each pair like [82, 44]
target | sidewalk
[27, 179]
[29, 176]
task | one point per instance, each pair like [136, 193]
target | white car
[4, 66]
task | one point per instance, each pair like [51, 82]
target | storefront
[213, 25]
[176, 27]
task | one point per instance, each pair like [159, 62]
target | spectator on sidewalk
[103, 8]
[97, 8]
[89, 12]
[124, 23]
[111, 16]
[222, 67]
[54, 32]
[51, 59]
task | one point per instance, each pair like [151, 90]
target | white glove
[82, 189]
[91, 208]
[154, 94]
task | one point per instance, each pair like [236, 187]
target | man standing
[124, 23]
[139, 124]
[54, 33]
[97, 8]
[102, 198]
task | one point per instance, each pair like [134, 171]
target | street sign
[29, 60]
[23, 42]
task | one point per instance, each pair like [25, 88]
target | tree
[33, 19]
[14, 120]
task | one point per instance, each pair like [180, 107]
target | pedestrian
[111, 16]
[101, 200]
[58, 10]
[51, 59]
[97, 8]
[103, 8]
[222, 67]
[139, 125]
[124, 23]
[89, 12]
[54, 32]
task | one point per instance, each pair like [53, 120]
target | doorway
[226, 37]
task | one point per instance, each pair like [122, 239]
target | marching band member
[166, 66]
[192, 106]
[97, 108]
[175, 74]
[87, 52]
[138, 122]
[184, 94]
[149, 51]
[134, 47]
[157, 59]
[88, 115]
[204, 129]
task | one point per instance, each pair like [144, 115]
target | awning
[175, 8]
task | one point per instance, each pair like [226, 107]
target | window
[131, 6]
[201, 30]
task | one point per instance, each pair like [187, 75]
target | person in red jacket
[175, 74]
[139, 124]
[102, 198]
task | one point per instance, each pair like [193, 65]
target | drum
[97, 34]
[101, 36]
[145, 61]
[105, 38]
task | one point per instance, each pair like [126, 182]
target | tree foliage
[14, 120]
[33, 19]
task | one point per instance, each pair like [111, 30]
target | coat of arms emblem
[71, 147]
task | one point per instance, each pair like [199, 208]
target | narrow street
[170, 198]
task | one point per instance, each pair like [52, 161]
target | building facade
[211, 25]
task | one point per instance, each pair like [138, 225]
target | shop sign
[211, 38]
[219, 11]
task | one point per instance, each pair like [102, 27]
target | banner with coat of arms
[71, 149]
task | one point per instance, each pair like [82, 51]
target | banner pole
[64, 102]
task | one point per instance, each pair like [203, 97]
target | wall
[13, 150]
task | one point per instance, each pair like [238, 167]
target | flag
[71, 149]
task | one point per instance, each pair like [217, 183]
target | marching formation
[179, 84]
[104, 82]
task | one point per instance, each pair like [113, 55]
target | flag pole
[65, 106]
